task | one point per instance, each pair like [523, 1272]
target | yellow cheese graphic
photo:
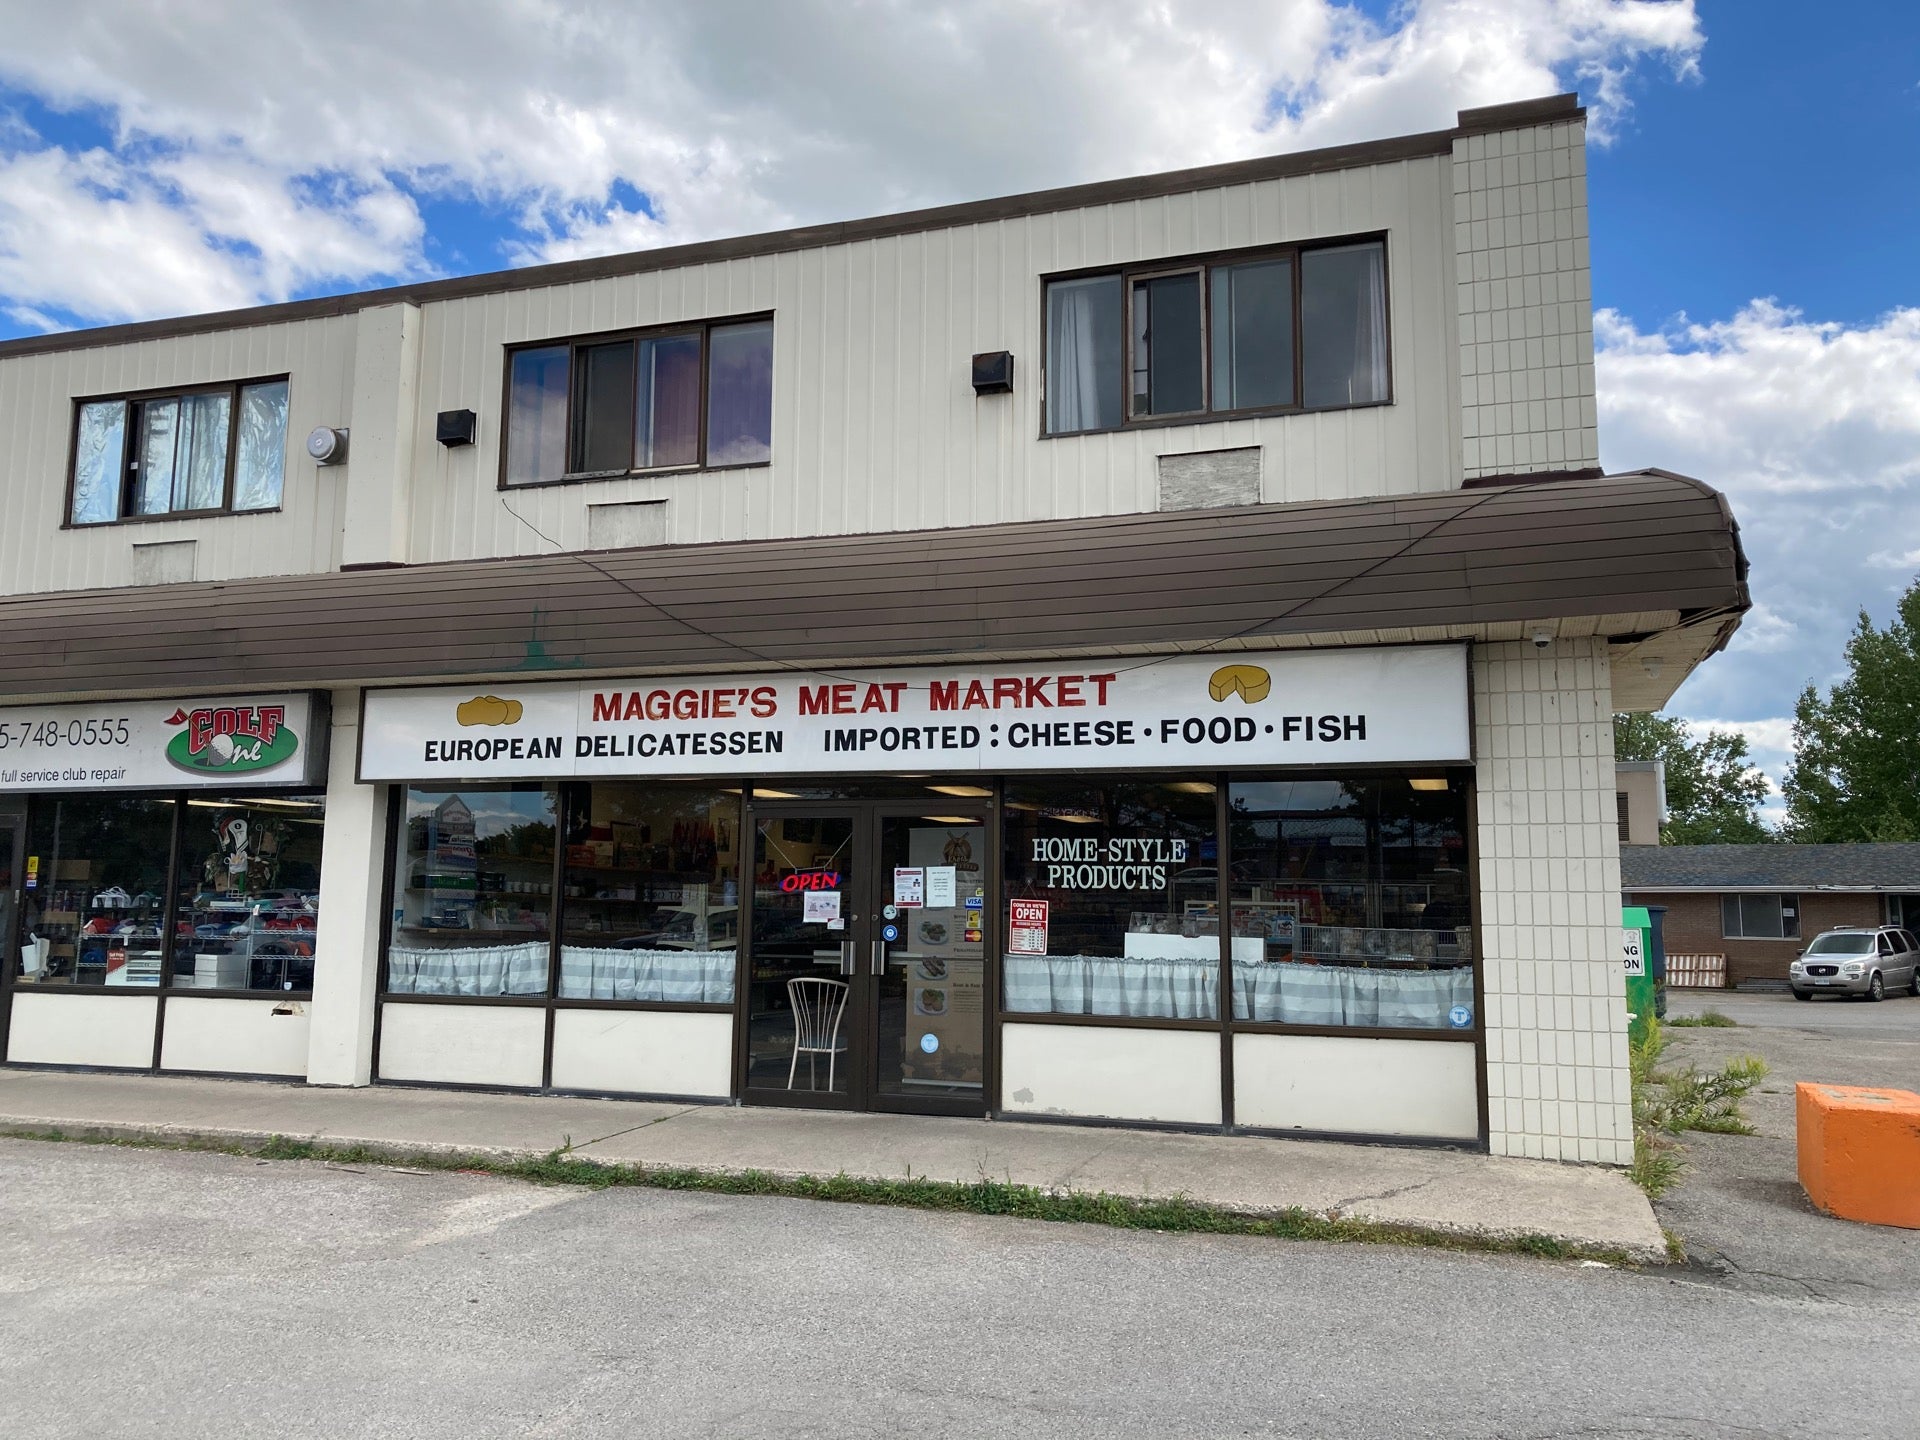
[489, 710]
[1250, 682]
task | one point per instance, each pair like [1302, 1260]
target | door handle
[846, 957]
[879, 957]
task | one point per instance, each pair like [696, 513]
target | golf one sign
[247, 741]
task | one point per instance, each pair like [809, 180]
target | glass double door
[867, 957]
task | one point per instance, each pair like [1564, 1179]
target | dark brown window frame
[231, 388]
[575, 343]
[169, 910]
[1205, 263]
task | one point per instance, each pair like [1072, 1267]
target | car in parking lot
[1857, 962]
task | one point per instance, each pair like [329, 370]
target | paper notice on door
[1027, 927]
[819, 907]
[943, 887]
[909, 886]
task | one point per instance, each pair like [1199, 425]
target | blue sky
[1754, 187]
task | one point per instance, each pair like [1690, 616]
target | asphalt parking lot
[156, 1293]
[1740, 1210]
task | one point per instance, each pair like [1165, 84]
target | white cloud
[292, 140]
[1812, 429]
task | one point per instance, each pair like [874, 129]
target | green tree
[1713, 789]
[1856, 753]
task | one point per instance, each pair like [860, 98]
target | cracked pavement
[1739, 1209]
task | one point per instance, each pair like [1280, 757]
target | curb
[225, 1139]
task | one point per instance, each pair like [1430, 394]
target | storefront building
[723, 674]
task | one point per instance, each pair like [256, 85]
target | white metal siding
[36, 422]
[875, 424]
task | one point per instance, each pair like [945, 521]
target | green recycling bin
[1636, 946]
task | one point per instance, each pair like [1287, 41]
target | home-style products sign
[228, 742]
[1386, 705]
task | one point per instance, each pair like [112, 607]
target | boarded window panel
[603, 408]
[537, 416]
[667, 402]
[99, 462]
[1253, 335]
[1166, 345]
[1343, 325]
[740, 394]
[260, 464]
[1084, 355]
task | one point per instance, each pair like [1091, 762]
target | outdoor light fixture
[993, 372]
[965, 792]
[454, 427]
[1426, 783]
[327, 444]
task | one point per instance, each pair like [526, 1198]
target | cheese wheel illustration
[1249, 682]
[489, 710]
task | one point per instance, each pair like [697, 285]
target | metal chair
[819, 1005]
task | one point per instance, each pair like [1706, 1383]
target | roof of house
[1621, 551]
[1891, 867]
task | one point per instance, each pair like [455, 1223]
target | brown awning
[1617, 549]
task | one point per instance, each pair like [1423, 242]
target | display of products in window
[248, 907]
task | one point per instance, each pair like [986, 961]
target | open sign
[811, 880]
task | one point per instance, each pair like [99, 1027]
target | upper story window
[693, 397]
[206, 451]
[1300, 328]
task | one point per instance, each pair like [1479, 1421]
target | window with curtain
[1304, 327]
[1111, 895]
[204, 452]
[650, 894]
[1350, 904]
[473, 891]
[693, 397]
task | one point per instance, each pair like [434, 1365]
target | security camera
[1541, 637]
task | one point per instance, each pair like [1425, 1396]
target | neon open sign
[811, 880]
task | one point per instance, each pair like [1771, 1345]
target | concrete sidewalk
[1436, 1189]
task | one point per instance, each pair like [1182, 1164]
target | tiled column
[1549, 864]
[1525, 300]
[347, 942]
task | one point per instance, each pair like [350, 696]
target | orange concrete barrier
[1860, 1152]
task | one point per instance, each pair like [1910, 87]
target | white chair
[819, 1005]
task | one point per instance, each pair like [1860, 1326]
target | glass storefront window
[1350, 902]
[473, 892]
[651, 893]
[94, 897]
[249, 893]
[1114, 890]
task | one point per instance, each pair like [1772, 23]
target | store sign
[1375, 706]
[230, 743]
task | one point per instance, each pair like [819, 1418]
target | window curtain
[470, 970]
[686, 977]
[1370, 330]
[1083, 360]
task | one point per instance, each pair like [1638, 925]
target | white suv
[1857, 962]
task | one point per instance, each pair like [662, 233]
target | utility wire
[1211, 647]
